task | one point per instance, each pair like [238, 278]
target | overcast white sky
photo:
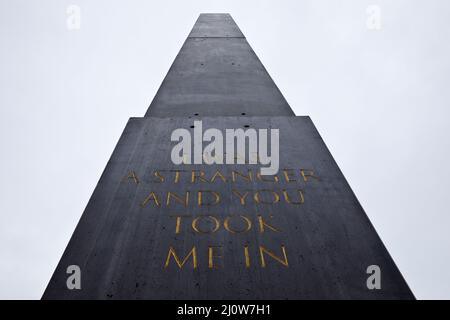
[379, 98]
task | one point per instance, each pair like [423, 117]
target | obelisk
[158, 230]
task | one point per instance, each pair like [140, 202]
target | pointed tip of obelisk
[215, 25]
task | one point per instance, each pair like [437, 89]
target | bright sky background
[379, 98]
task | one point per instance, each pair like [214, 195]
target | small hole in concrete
[243, 113]
[246, 126]
[195, 114]
[192, 126]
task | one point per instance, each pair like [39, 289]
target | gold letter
[226, 224]
[199, 176]
[159, 176]
[247, 257]
[241, 197]
[178, 198]
[178, 222]
[263, 250]
[177, 175]
[308, 173]
[132, 175]
[258, 200]
[172, 252]
[200, 198]
[287, 173]
[219, 175]
[246, 178]
[262, 223]
[300, 194]
[216, 224]
[211, 257]
[151, 196]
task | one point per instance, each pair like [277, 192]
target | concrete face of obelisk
[154, 229]
[216, 73]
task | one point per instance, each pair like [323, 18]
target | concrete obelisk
[156, 230]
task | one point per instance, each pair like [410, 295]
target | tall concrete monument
[154, 229]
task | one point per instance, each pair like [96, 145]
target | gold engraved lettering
[263, 224]
[257, 197]
[218, 174]
[308, 174]
[288, 175]
[201, 201]
[158, 175]
[247, 257]
[247, 177]
[300, 197]
[132, 175]
[214, 219]
[241, 197]
[263, 251]
[180, 264]
[248, 223]
[198, 175]
[178, 198]
[178, 222]
[211, 255]
[151, 197]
